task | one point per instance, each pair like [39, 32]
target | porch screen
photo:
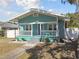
[51, 26]
[48, 29]
[28, 27]
[25, 29]
[43, 26]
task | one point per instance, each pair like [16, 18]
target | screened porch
[39, 29]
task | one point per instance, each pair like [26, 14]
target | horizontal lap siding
[61, 28]
[40, 18]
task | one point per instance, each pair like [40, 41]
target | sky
[11, 8]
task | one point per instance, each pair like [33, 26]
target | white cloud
[28, 3]
[5, 2]
[54, 11]
[50, 10]
[7, 14]
[42, 7]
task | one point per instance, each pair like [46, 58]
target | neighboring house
[9, 30]
[1, 31]
[37, 23]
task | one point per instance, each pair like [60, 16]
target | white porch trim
[57, 27]
[39, 23]
[31, 30]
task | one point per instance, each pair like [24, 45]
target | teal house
[35, 24]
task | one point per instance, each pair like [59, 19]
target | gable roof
[8, 25]
[32, 11]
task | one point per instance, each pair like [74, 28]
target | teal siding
[36, 29]
[40, 18]
[61, 28]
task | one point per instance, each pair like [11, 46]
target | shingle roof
[8, 25]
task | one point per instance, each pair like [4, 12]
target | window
[51, 26]
[25, 27]
[28, 27]
[54, 26]
[43, 26]
[22, 27]
[48, 27]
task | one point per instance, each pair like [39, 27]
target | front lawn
[24, 56]
[7, 47]
[4, 39]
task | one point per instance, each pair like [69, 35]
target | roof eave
[31, 12]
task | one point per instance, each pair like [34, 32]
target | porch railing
[49, 32]
[28, 33]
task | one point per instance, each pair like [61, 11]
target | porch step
[23, 38]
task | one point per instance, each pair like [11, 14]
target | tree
[75, 2]
[74, 20]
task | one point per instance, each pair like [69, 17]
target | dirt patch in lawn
[6, 47]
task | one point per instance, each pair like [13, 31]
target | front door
[36, 29]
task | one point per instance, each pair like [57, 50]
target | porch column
[40, 29]
[31, 29]
[57, 27]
